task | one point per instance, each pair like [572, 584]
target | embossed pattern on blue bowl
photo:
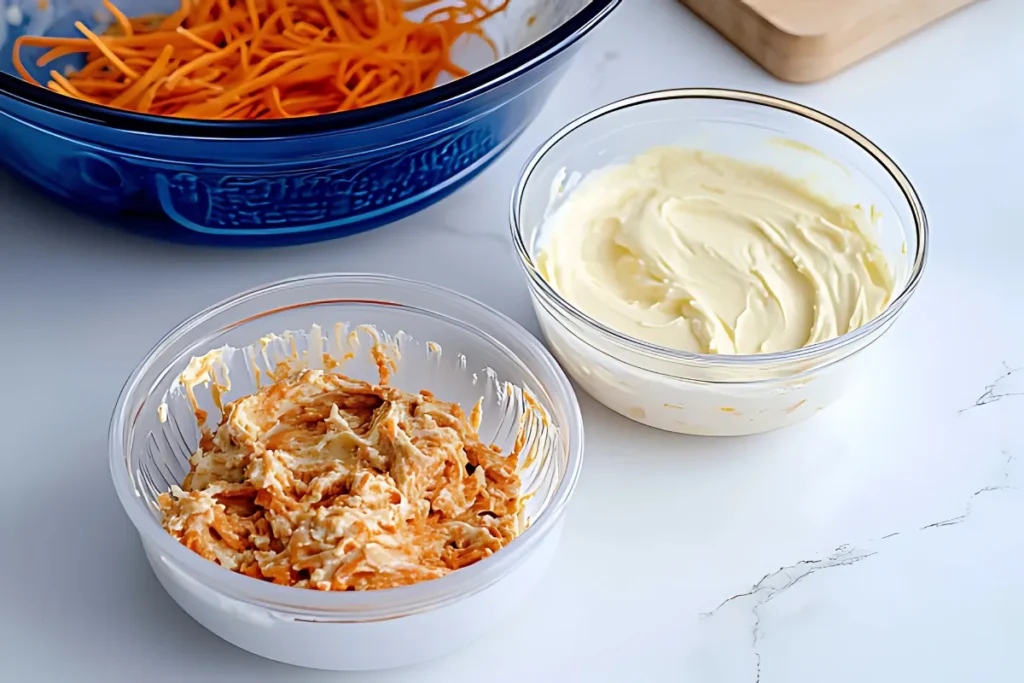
[278, 182]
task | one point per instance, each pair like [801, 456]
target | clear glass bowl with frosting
[690, 391]
[443, 342]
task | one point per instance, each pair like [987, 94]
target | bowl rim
[657, 351]
[354, 606]
[442, 96]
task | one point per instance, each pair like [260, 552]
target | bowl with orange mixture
[263, 122]
[329, 464]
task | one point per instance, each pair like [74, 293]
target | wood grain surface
[809, 40]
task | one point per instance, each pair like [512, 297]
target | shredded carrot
[122, 21]
[264, 59]
[102, 47]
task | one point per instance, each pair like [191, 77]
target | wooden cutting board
[808, 40]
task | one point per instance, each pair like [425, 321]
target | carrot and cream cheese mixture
[321, 481]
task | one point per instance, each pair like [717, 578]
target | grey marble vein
[474, 232]
[993, 392]
[781, 580]
[1004, 483]
[774, 584]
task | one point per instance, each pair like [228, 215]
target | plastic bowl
[373, 629]
[286, 181]
[716, 394]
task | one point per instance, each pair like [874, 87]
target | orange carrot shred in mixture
[264, 59]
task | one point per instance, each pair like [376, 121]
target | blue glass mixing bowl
[281, 181]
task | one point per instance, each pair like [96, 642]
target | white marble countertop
[880, 541]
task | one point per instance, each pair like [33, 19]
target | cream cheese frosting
[705, 253]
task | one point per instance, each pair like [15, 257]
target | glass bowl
[284, 181]
[479, 350]
[716, 394]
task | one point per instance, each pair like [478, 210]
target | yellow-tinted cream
[705, 253]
